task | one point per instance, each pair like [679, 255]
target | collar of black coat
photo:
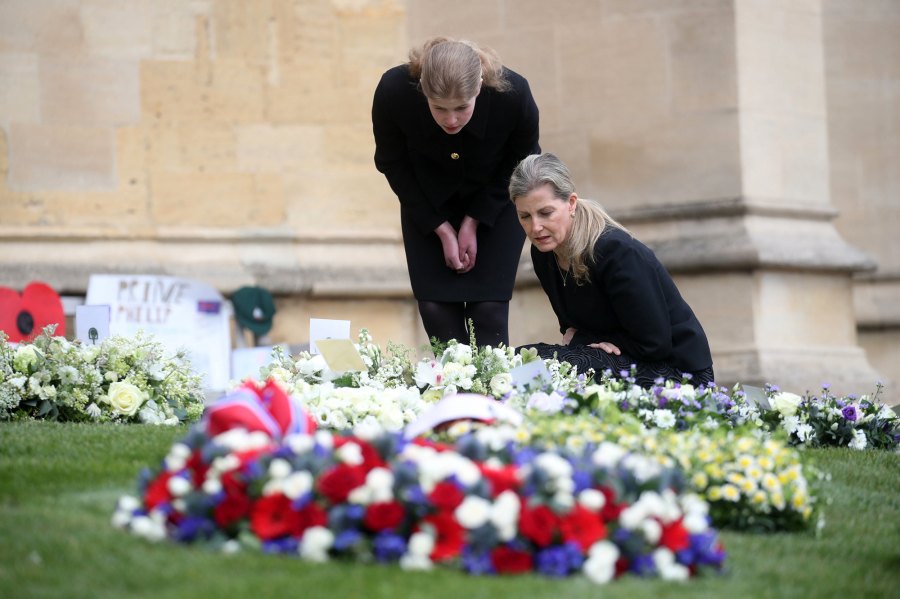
[476, 126]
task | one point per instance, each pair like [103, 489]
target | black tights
[448, 320]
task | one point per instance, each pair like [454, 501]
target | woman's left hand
[468, 243]
[606, 346]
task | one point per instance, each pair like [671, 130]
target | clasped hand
[606, 346]
[460, 248]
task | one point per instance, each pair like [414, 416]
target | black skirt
[491, 280]
[647, 373]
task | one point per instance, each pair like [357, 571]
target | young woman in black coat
[616, 303]
[450, 125]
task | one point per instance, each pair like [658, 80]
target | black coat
[440, 177]
[631, 301]
[417, 156]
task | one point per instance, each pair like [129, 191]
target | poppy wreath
[23, 316]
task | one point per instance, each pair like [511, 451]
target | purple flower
[346, 539]
[559, 560]
[476, 562]
[850, 413]
[192, 527]
[283, 545]
[643, 565]
[388, 547]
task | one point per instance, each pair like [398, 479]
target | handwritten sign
[179, 313]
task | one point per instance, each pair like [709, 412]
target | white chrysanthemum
[600, 566]
[859, 440]
[297, 484]
[592, 499]
[315, 544]
[663, 418]
[473, 512]
[608, 455]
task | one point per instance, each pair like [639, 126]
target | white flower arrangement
[124, 379]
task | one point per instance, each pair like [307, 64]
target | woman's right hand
[447, 234]
[567, 338]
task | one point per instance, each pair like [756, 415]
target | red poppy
[158, 491]
[583, 527]
[611, 509]
[449, 536]
[273, 517]
[335, 485]
[23, 317]
[507, 560]
[233, 508]
[383, 516]
[538, 524]
[446, 496]
[675, 536]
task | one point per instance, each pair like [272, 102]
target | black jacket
[426, 167]
[631, 302]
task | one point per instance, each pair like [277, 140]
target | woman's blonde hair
[590, 219]
[450, 69]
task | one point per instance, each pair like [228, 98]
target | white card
[322, 328]
[462, 406]
[535, 372]
[92, 323]
[758, 396]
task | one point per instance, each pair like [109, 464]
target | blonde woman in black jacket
[450, 125]
[616, 304]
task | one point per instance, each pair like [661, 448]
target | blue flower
[388, 547]
[476, 562]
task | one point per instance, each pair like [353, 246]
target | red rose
[198, 468]
[611, 509]
[383, 516]
[311, 514]
[158, 491]
[335, 485]
[233, 508]
[583, 527]
[538, 524]
[446, 496]
[449, 536]
[272, 517]
[501, 479]
[510, 561]
[675, 537]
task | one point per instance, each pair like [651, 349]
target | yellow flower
[759, 498]
[766, 463]
[699, 480]
[744, 444]
[770, 482]
[731, 493]
[714, 470]
[714, 493]
[778, 501]
[798, 501]
[745, 461]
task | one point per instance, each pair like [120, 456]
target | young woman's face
[545, 218]
[452, 114]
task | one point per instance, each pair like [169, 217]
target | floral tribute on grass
[394, 390]
[123, 379]
[262, 478]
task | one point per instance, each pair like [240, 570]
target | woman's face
[452, 114]
[545, 218]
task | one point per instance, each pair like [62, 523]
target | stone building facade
[755, 144]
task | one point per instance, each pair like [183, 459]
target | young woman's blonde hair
[452, 69]
[590, 219]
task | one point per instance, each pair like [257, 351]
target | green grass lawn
[59, 483]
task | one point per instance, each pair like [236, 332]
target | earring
[572, 214]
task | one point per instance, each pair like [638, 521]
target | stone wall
[753, 143]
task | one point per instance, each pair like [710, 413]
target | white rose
[786, 403]
[592, 499]
[125, 398]
[545, 403]
[25, 358]
[501, 384]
